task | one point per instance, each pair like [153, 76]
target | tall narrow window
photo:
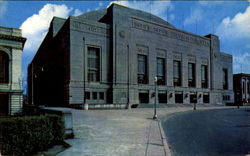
[191, 74]
[243, 87]
[160, 71]
[142, 69]
[4, 67]
[204, 76]
[225, 79]
[177, 73]
[93, 64]
[248, 87]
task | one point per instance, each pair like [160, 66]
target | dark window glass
[143, 97]
[87, 95]
[94, 95]
[142, 69]
[248, 87]
[177, 73]
[160, 71]
[93, 64]
[162, 97]
[225, 79]
[4, 102]
[101, 95]
[4, 67]
[193, 98]
[204, 76]
[191, 74]
[178, 97]
[243, 87]
[205, 98]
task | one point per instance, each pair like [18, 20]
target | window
[177, 73]
[248, 87]
[160, 71]
[162, 97]
[87, 95]
[4, 67]
[144, 97]
[101, 95]
[226, 97]
[204, 76]
[206, 98]
[94, 95]
[142, 69]
[191, 74]
[93, 64]
[178, 97]
[243, 88]
[225, 79]
[193, 98]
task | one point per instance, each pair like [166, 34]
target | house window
[162, 97]
[206, 98]
[248, 87]
[87, 95]
[191, 74]
[94, 95]
[4, 67]
[204, 76]
[225, 79]
[160, 71]
[193, 98]
[142, 69]
[243, 88]
[178, 97]
[143, 97]
[93, 64]
[101, 95]
[177, 73]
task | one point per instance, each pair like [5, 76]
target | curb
[164, 140]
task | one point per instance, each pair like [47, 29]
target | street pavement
[224, 132]
[120, 132]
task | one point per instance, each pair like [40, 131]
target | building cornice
[15, 38]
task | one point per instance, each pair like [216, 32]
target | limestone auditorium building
[110, 58]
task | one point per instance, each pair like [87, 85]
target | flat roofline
[242, 74]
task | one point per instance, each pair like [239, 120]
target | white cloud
[241, 63]
[3, 8]
[158, 8]
[36, 26]
[236, 28]
[210, 3]
[194, 17]
[100, 4]
[77, 12]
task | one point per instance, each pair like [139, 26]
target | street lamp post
[155, 115]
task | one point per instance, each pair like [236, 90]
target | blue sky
[230, 20]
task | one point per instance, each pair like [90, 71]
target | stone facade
[242, 88]
[110, 58]
[11, 46]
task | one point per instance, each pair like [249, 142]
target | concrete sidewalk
[119, 133]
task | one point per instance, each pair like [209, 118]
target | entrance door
[4, 101]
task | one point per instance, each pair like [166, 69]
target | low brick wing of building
[110, 58]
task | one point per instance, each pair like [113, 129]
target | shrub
[28, 135]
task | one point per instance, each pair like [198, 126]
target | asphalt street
[209, 132]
